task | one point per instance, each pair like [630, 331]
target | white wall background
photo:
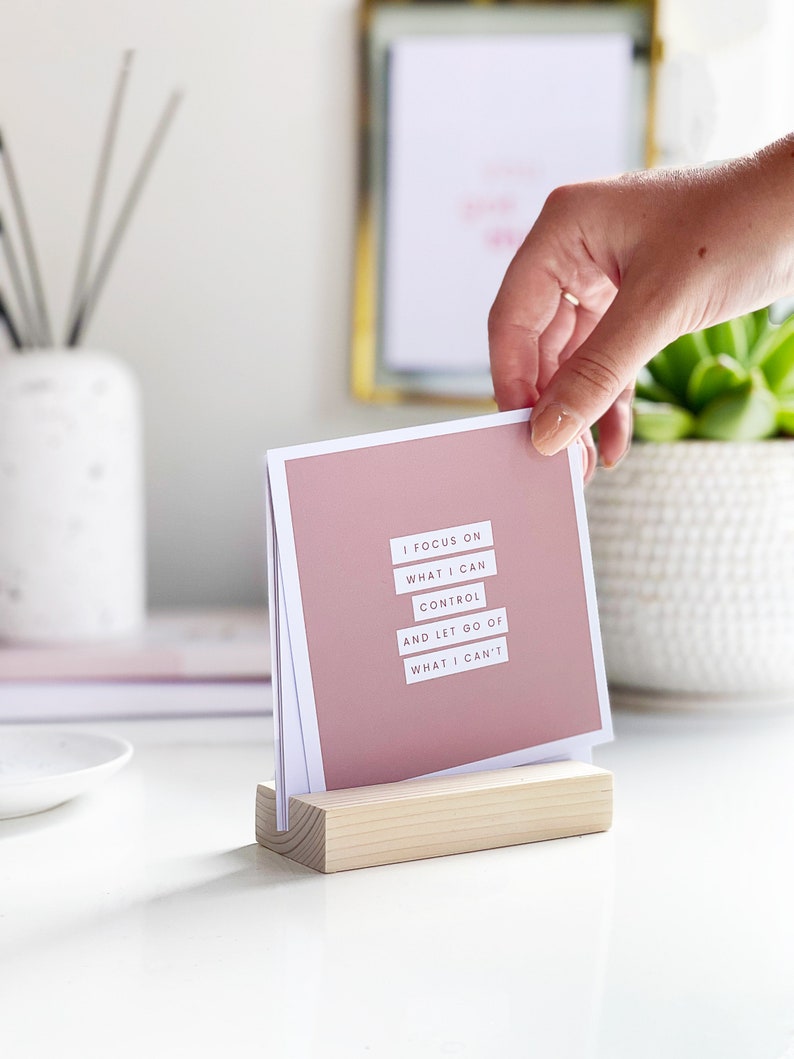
[231, 295]
[727, 83]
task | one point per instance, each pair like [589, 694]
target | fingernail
[610, 466]
[554, 429]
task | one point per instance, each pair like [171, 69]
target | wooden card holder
[415, 819]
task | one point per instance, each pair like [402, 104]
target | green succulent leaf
[756, 324]
[662, 422]
[728, 337]
[774, 336]
[648, 389]
[785, 415]
[673, 366]
[748, 412]
[711, 377]
[730, 382]
[777, 364]
[661, 372]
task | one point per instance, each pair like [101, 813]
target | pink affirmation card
[437, 590]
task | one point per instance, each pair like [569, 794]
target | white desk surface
[143, 921]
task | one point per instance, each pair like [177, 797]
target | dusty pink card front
[447, 601]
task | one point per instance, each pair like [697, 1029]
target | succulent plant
[730, 382]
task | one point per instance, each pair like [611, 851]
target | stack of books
[184, 663]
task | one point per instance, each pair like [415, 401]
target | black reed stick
[42, 322]
[8, 322]
[97, 196]
[17, 282]
[89, 300]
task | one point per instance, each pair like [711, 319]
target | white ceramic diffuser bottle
[71, 497]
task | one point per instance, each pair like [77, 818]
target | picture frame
[470, 113]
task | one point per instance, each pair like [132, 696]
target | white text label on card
[449, 601]
[437, 543]
[446, 572]
[457, 630]
[455, 660]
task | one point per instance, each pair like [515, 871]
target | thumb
[596, 374]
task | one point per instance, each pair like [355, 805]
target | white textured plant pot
[71, 497]
[693, 550]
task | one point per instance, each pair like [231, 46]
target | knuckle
[495, 320]
[571, 199]
[561, 197]
[599, 372]
[501, 328]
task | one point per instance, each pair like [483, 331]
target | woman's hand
[613, 270]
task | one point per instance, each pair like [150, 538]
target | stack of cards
[432, 606]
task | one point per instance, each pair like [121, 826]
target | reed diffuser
[72, 555]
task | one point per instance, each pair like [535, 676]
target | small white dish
[41, 767]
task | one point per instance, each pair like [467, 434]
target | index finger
[525, 305]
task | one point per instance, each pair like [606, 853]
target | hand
[613, 270]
